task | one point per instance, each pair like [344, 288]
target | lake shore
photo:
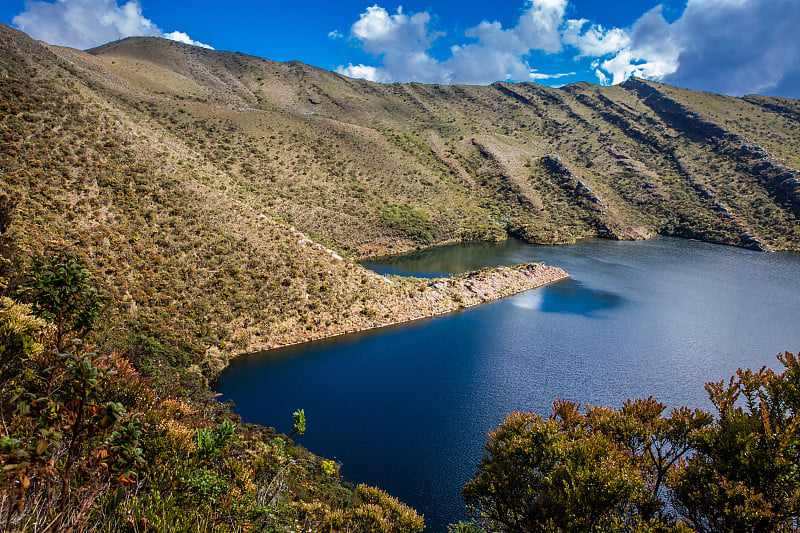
[426, 298]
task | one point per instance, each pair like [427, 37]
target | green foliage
[633, 469]
[206, 485]
[744, 475]
[90, 446]
[68, 440]
[299, 418]
[555, 476]
[124, 443]
[163, 355]
[21, 337]
[210, 443]
[410, 221]
[62, 290]
[377, 512]
[465, 527]
[329, 467]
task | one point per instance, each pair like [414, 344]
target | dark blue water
[407, 407]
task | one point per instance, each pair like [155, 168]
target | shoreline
[433, 297]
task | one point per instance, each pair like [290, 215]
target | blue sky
[727, 46]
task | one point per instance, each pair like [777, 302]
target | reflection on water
[572, 296]
[446, 261]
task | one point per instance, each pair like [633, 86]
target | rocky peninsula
[418, 298]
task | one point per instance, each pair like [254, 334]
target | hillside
[223, 197]
[382, 168]
[221, 202]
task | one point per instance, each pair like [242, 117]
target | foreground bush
[88, 444]
[633, 469]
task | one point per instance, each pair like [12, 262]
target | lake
[407, 407]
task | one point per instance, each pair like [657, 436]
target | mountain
[369, 165]
[221, 201]
[222, 198]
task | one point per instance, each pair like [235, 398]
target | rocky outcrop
[770, 169]
[503, 88]
[584, 194]
[554, 165]
[427, 298]
[673, 111]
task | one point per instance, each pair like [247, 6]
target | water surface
[407, 407]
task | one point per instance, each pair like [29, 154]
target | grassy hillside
[222, 198]
[382, 168]
[385, 168]
[175, 247]
[220, 201]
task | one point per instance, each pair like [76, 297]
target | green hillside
[392, 166]
[219, 202]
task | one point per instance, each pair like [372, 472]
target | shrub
[632, 469]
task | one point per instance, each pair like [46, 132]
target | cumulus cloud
[595, 41]
[87, 23]
[183, 38]
[403, 43]
[738, 46]
[365, 72]
[650, 50]
[541, 76]
[500, 54]
[727, 46]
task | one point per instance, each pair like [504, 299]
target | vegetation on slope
[218, 200]
[180, 260]
[88, 444]
[333, 155]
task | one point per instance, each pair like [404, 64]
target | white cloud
[648, 50]
[364, 72]
[739, 46]
[381, 33]
[87, 23]
[727, 46]
[335, 34]
[540, 76]
[403, 42]
[538, 27]
[183, 38]
[595, 41]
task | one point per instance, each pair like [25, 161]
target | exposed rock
[433, 297]
[554, 165]
[763, 164]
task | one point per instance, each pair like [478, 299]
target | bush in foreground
[633, 469]
[88, 444]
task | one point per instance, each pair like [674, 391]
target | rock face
[771, 170]
[428, 298]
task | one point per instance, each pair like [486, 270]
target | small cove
[407, 407]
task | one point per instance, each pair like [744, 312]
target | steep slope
[187, 261]
[380, 168]
[192, 258]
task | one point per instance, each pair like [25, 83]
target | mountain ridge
[212, 188]
[221, 203]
